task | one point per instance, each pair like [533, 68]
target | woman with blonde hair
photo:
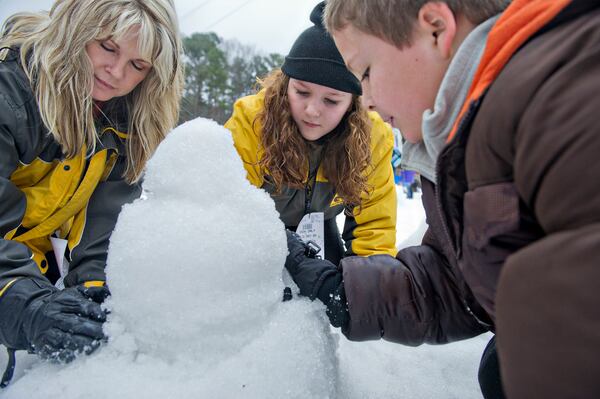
[87, 93]
[307, 140]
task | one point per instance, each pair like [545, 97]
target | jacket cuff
[13, 305]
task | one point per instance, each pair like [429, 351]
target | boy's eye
[106, 47]
[366, 74]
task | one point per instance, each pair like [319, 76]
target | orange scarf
[520, 21]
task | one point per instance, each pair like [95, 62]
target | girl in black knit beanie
[307, 140]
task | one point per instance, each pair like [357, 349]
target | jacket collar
[112, 125]
[437, 123]
[516, 25]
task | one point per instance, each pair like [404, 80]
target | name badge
[312, 228]
[59, 246]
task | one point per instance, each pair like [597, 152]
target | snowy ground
[235, 329]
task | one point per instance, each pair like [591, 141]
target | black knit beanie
[314, 58]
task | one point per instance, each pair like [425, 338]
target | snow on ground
[195, 271]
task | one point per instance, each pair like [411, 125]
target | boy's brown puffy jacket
[517, 206]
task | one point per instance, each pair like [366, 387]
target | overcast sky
[269, 25]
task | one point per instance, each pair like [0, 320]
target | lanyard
[309, 188]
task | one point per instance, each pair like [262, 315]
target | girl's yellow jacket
[370, 232]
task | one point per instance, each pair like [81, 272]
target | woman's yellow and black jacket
[368, 232]
[42, 194]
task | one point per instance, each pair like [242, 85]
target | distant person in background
[87, 93]
[397, 156]
[415, 185]
[408, 178]
[306, 139]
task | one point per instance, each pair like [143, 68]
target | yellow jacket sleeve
[375, 225]
[246, 132]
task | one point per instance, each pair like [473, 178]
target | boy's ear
[437, 20]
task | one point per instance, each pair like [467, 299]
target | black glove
[55, 324]
[307, 272]
[317, 278]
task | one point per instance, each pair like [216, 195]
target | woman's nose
[116, 68]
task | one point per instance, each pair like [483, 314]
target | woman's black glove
[55, 324]
[97, 293]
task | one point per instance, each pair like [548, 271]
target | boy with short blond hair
[499, 114]
[393, 20]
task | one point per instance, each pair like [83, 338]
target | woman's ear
[438, 21]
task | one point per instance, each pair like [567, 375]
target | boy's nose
[367, 103]
[366, 99]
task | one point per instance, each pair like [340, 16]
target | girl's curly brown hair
[347, 156]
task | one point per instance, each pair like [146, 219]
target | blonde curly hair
[394, 20]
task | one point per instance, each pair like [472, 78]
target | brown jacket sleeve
[411, 299]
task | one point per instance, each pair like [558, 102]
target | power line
[193, 10]
[228, 14]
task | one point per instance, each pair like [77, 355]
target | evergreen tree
[218, 73]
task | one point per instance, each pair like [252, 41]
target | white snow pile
[196, 310]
